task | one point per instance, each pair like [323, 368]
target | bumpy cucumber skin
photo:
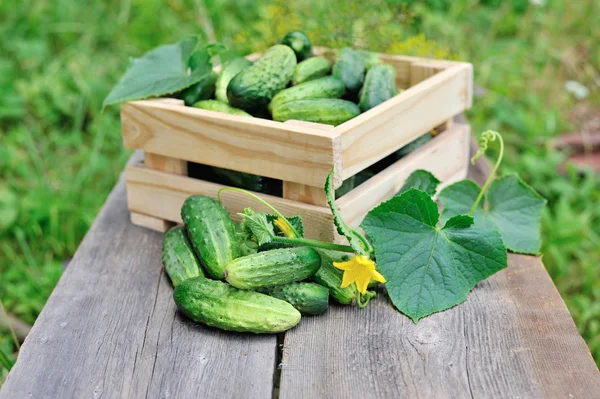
[300, 43]
[326, 87]
[218, 106]
[230, 69]
[274, 267]
[211, 232]
[307, 298]
[380, 86]
[370, 59]
[311, 69]
[349, 67]
[178, 256]
[220, 305]
[330, 111]
[254, 87]
[331, 278]
[202, 90]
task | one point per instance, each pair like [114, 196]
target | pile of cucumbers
[288, 82]
[220, 283]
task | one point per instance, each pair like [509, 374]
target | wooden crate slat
[161, 194]
[165, 164]
[150, 222]
[446, 156]
[373, 135]
[253, 145]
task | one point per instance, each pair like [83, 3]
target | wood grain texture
[259, 146]
[161, 195]
[446, 156]
[513, 337]
[111, 330]
[151, 222]
[166, 164]
[375, 134]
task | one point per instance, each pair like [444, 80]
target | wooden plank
[161, 195]
[446, 156]
[253, 145]
[110, 329]
[165, 164]
[305, 194]
[513, 337]
[150, 222]
[384, 129]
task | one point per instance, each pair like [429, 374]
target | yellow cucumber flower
[359, 269]
[284, 227]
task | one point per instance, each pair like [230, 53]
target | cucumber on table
[230, 69]
[307, 298]
[211, 232]
[220, 305]
[331, 278]
[349, 67]
[178, 256]
[274, 267]
[310, 69]
[326, 87]
[202, 90]
[255, 86]
[300, 43]
[218, 106]
[379, 86]
[330, 111]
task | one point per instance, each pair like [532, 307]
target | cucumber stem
[313, 243]
[487, 136]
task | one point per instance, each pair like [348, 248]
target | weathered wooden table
[111, 329]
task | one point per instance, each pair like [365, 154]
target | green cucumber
[254, 87]
[217, 304]
[230, 69]
[203, 90]
[327, 87]
[330, 111]
[211, 232]
[349, 67]
[413, 145]
[243, 180]
[331, 278]
[310, 69]
[380, 86]
[371, 59]
[274, 267]
[178, 256]
[218, 106]
[307, 298]
[300, 43]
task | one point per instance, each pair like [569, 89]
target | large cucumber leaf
[164, 70]
[429, 268]
[514, 209]
[421, 180]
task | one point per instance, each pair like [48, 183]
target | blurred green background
[60, 155]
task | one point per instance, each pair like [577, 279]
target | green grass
[60, 155]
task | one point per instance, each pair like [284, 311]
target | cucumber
[211, 232]
[413, 145]
[370, 59]
[230, 69]
[380, 86]
[330, 111]
[217, 304]
[307, 298]
[203, 90]
[300, 43]
[254, 87]
[310, 69]
[218, 106]
[327, 87]
[331, 278]
[349, 67]
[274, 267]
[178, 256]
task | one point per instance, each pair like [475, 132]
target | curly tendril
[484, 140]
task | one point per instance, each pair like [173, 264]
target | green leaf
[354, 238]
[421, 180]
[5, 362]
[257, 225]
[162, 71]
[429, 269]
[295, 221]
[514, 209]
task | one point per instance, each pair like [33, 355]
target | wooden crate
[300, 154]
